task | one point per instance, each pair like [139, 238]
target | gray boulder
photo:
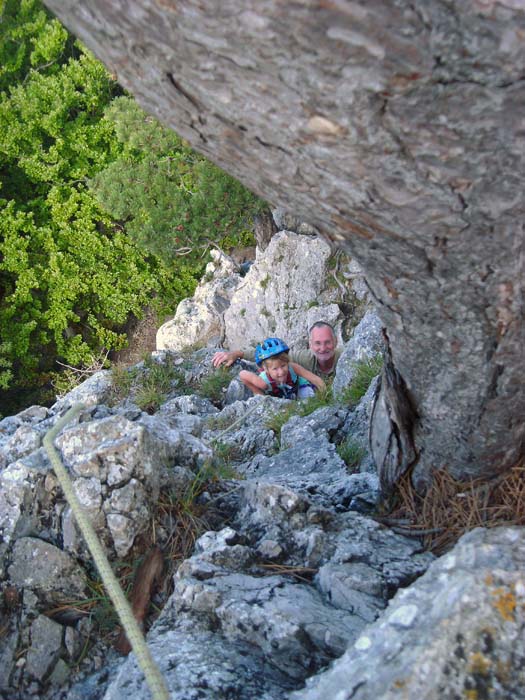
[312, 467]
[456, 632]
[199, 319]
[279, 299]
[47, 570]
[287, 615]
[366, 343]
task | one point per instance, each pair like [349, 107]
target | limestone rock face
[294, 282]
[396, 129]
[236, 585]
[284, 292]
[469, 600]
[289, 573]
[199, 319]
[365, 344]
[45, 569]
[46, 641]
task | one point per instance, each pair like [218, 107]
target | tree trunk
[397, 129]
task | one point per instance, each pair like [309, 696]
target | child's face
[277, 369]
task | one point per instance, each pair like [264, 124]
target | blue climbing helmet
[269, 348]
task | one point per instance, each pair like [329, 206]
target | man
[321, 357]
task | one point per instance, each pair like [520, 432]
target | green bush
[69, 278]
[103, 210]
[173, 202]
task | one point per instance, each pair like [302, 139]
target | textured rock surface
[48, 571]
[262, 615]
[456, 632]
[208, 667]
[288, 287]
[199, 319]
[365, 344]
[394, 128]
[289, 576]
[46, 643]
[118, 467]
[284, 292]
[122, 463]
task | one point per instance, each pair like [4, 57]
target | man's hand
[225, 358]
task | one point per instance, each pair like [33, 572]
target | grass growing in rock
[97, 607]
[213, 385]
[122, 379]
[223, 455]
[186, 516]
[301, 408]
[364, 372]
[218, 422]
[351, 452]
[179, 520]
[147, 385]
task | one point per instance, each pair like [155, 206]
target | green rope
[153, 676]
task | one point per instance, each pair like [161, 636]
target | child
[278, 376]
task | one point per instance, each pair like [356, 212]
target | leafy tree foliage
[30, 40]
[103, 210]
[69, 278]
[172, 201]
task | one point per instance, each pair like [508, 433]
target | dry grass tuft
[185, 524]
[450, 508]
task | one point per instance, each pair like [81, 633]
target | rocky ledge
[293, 591]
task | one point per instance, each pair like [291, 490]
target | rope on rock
[237, 422]
[152, 674]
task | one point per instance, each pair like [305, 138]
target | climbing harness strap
[287, 390]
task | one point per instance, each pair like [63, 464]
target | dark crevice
[232, 125]
[355, 689]
[439, 64]
[464, 203]
[492, 389]
[184, 92]
[489, 270]
[380, 302]
[458, 81]
[490, 352]
[272, 145]
[224, 120]
[417, 12]
[511, 83]
[198, 131]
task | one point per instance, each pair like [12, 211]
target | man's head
[322, 342]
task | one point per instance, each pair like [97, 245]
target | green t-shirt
[305, 358]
